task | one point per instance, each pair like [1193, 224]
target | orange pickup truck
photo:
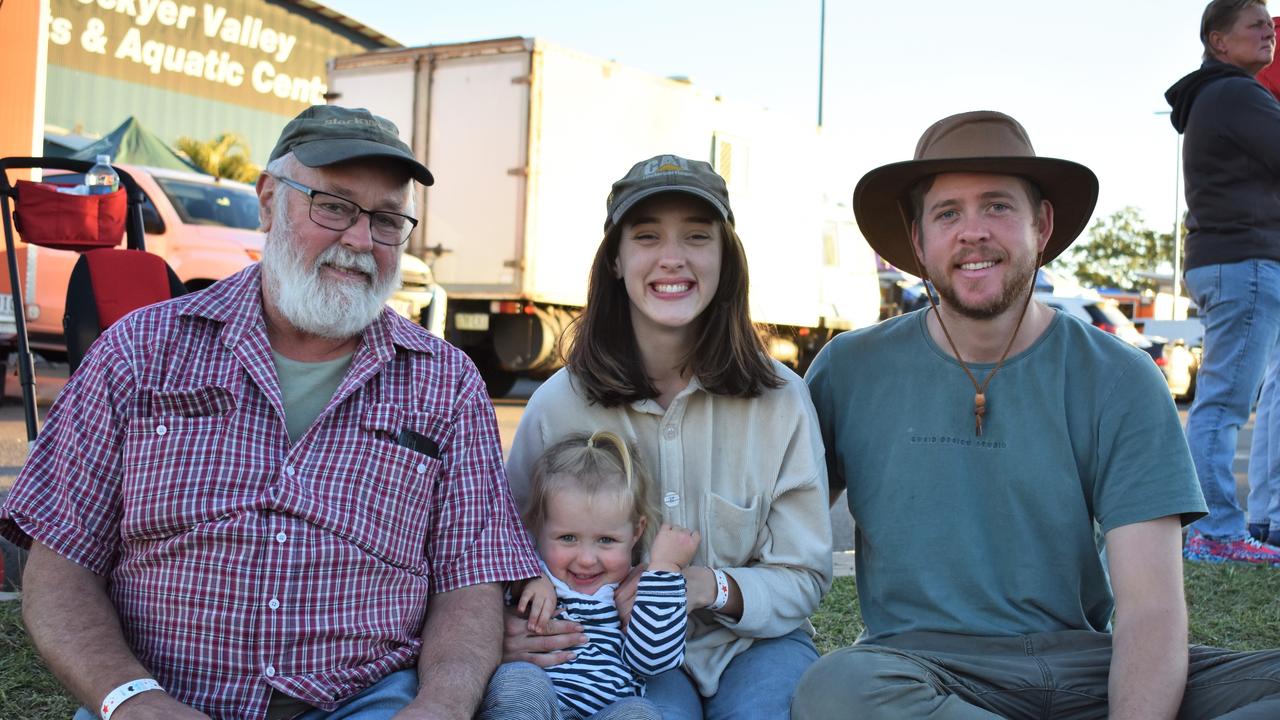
[206, 229]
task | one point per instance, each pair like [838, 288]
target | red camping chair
[106, 283]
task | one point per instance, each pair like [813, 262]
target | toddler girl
[588, 511]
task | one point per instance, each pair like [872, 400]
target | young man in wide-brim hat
[982, 440]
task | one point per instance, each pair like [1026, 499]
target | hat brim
[621, 211]
[326, 152]
[883, 213]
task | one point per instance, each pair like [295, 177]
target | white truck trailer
[525, 138]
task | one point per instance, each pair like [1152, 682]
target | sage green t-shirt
[995, 535]
[306, 388]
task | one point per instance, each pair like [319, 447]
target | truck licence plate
[477, 322]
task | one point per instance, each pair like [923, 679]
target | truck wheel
[496, 380]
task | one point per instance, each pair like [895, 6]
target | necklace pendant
[979, 409]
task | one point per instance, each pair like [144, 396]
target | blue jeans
[377, 702]
[757, 684]
[1240, 308]
[1264, 455]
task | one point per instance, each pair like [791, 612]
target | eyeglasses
[332, 212]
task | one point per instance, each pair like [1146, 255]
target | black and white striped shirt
[613, 664]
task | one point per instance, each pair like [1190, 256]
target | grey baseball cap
[667, 173]
[328, 134]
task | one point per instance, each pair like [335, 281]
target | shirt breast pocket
[391, 491]
[175, 472]
[732, 530]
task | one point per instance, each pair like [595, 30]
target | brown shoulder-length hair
[729, 356]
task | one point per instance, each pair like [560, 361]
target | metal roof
[316, 8]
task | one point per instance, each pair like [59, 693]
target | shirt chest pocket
[733, 530]
[176, 464]
[383, 499]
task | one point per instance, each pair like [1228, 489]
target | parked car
[419, 298]
[206, 229]
[1176, 361]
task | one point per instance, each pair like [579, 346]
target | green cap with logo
[328, 134]
[667, 173]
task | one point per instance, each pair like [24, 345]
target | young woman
[665, 355]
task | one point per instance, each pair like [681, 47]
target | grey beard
[314, 305]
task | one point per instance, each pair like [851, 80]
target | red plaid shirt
[238, 562]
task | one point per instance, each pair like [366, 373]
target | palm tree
[225, 156]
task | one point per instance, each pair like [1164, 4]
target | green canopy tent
[131, 143]
[64, 146]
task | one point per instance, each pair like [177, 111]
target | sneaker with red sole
[1202, 548]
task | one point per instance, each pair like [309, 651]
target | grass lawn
[27, 689]
[1230, 606]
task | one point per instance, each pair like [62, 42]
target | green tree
[226, 156]
[1115, 253]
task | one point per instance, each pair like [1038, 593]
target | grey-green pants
[1046, 675]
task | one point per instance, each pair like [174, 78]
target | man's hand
[538, 599]
[673, 548]
[542, 649]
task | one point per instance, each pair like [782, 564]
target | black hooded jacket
[1231, 165]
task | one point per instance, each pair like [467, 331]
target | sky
[1086, 78]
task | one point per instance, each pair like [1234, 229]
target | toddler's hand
[673, 548]
[539, 599]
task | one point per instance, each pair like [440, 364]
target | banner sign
[252, 53]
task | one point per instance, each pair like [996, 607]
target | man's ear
[266, 188]
[1044, 224]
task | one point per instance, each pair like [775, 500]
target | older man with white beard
[276, 498]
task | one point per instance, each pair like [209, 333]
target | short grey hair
[282, 166]
[1220, 16]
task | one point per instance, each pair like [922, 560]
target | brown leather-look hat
[973, 142]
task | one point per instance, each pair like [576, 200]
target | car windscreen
[221, 204]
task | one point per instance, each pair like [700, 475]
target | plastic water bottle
[101, 178]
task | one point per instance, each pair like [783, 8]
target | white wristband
[116, 698]
[722, 590]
